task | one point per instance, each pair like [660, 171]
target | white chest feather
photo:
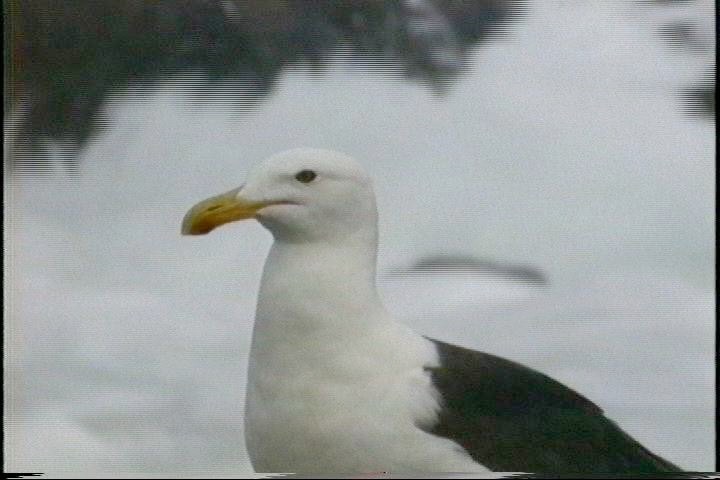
[347, 406]
[334, 384]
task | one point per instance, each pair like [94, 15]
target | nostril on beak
[235, 192]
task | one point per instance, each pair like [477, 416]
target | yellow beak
[219, 210]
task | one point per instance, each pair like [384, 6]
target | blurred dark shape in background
[684, 34]
[466, 264]
[701, 98]
[64, 58]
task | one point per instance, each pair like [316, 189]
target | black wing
[512, 418]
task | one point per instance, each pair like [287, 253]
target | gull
[336, 384]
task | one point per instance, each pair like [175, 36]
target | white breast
[347, 405]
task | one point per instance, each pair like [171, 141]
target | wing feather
[512, 418]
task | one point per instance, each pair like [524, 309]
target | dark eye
[305, 176]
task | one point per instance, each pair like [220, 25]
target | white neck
[305, 284]
[334, 384]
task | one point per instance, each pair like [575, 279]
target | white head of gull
[337, 385]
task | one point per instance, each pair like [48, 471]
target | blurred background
[545, 178]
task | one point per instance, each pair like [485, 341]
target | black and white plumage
[337, 385]
[512, 418]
